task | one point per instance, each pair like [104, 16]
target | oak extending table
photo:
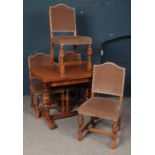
[51, 78]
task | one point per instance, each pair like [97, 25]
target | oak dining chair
[108, 78]
[62, 20]
[36, 87]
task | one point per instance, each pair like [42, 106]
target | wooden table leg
[46, 105]
[67, 101]
[63, 103]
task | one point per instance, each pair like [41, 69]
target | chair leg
[119, 124]
[86, 95]
[114, 130]
[31, 101]
[92, 121]
[80, 124]
[36, 109]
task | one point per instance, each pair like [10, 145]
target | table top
[50, 74]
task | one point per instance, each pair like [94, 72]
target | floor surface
[38, 139]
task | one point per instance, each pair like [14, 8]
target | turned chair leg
[31, 100]
[119, 124]
[114, 130]
[80, 124]
[36, 108]
[92, 121]
[89, 54]
[86, 94]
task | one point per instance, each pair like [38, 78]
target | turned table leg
[46, 105]
[67, 101]
[63, 103]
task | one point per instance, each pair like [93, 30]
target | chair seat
[71, 40]
[101, 107]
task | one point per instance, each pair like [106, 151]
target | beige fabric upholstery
[71, 40]
[39, 59]
[62, 18]
[100, 107]
[108, 78]
[36, 60]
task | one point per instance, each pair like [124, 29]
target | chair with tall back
[108, 78]
[62, 19]
[36, 87]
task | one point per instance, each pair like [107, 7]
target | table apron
[69, 82]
